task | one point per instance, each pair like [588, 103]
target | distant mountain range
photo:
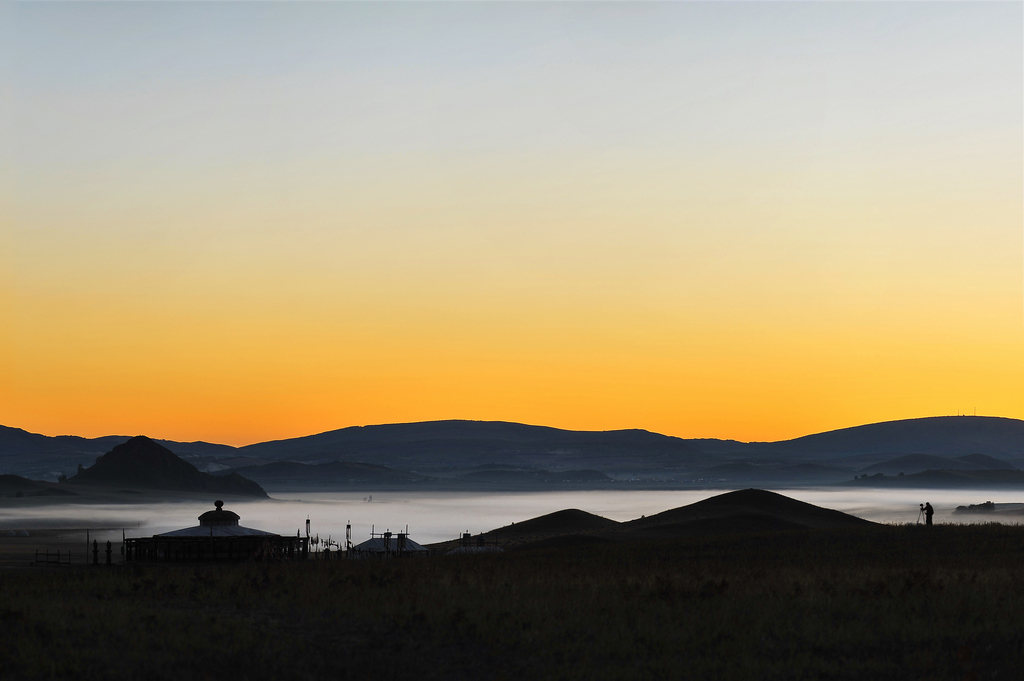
[938, 435]
[463, 444]
[139, 466]
[520, 454]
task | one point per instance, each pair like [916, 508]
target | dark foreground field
[872, 603]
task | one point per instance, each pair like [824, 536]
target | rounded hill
[568, 521]
[142, 463]
[748, 510]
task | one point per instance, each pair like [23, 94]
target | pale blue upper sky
[99, 80]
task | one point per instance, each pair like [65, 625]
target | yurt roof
[376, 544]
[216, 531]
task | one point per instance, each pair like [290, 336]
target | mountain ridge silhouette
[142, 463]
[463, 444]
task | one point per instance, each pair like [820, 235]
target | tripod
[919, 515]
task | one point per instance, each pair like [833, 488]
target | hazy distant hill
[472, 443]
[939, 435]
[141, 463]
[917, 463]
[17, 486]
[739, 471]
[984, 461]
[292, 476]
[532, 477]
[947, 479]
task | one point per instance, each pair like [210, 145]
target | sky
[237, 222]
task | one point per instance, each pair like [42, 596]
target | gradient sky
[245, 221]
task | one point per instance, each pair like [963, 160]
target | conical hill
[141, 463]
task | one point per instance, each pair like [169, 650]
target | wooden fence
[58, 558]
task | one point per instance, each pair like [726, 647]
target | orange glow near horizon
[739, 383]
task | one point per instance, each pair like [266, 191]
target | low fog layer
[433, 518]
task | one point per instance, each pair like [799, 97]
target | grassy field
[876, 603]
